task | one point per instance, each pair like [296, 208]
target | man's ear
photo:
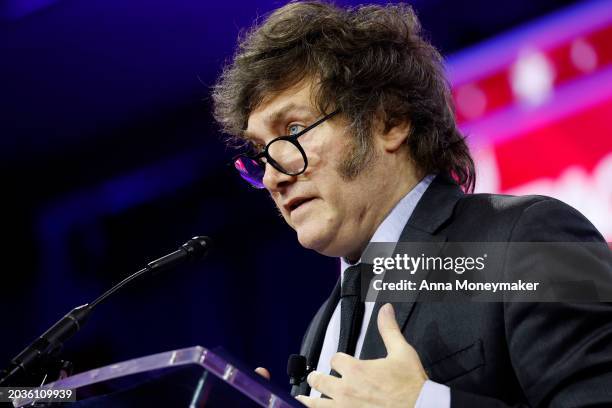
[393, 136]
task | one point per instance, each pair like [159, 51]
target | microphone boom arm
[51, 340]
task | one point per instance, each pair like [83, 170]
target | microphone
[297, 369]
[51, 340]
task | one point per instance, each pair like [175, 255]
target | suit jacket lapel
[313, 341]
[432, 211]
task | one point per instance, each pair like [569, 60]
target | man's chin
[313, 240]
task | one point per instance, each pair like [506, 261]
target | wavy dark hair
[371, 62]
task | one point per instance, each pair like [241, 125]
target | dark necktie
[351, 311]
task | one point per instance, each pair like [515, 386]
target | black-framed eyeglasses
[284, 153]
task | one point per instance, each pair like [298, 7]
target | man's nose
[275, 180]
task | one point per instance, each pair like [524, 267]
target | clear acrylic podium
[192, 377]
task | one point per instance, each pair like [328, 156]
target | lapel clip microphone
[297, 369]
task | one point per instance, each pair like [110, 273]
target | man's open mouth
[294, 204]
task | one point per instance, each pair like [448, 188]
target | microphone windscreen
[296, 366]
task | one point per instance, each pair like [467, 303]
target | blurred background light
[538, 114]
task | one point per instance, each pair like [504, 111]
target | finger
[315, 402]
[324, 383]
[342, 363]
[389, 330]
[263, 372]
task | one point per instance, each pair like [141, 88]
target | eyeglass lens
[286, 157]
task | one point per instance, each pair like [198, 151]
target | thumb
[263, 372]
[389, 330]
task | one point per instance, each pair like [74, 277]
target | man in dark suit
[349, 121]
[493, 354]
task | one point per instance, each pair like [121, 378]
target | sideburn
[359, 155]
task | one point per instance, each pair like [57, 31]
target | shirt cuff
[433, 395]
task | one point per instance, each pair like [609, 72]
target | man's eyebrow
[279, 116]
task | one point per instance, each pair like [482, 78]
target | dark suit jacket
[497, 354]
